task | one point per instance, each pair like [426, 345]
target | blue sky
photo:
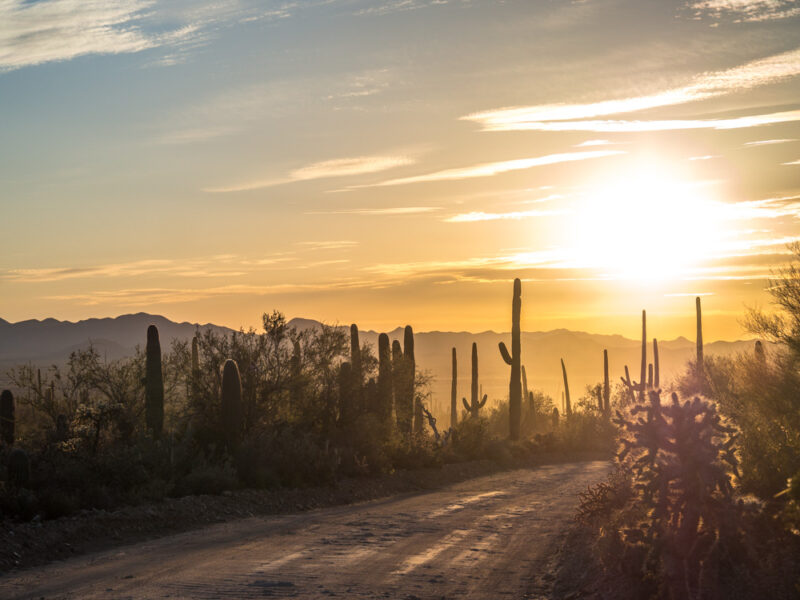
[401, 161]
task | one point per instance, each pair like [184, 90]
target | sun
[648, 224]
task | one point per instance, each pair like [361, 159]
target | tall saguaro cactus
[406, 405]
[656, 366]
[454, 393]
[513, 359]
[699, 362]
[153, 384]
[398, 383]
[7, 417]
[643, 375]
[231, 406]
[568, 402]
[384, 389]
[357, 373]
[606, 385]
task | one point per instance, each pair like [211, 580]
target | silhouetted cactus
[232, 410]
[656, 367]
[384, 389]
[643, 375]
[699, 357]
[413, 408]
[7, 422]
[19, 468]
[759, 352]
[154, 384]
[513, 360]
[398, 383]
[524, 382]
[568, 402]
[606, 385]
[650, 376]
[454, 393]
[555, 418]
[474, 406]
[358, 371]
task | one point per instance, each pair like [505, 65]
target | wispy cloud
[213, 267]
[33, 33]
[747, 10]
[590, 143]
[340, 167]
[472, 217]
[706, 85]
[328, 244]
[769, 142]
[395, 210]
[794, 162]
[625, 126]
[495, 168]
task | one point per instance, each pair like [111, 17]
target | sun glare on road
[646, 225]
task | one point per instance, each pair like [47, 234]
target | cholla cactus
[682, 457]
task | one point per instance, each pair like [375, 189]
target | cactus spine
[384, 389]
[606, 385]
[231, 403]
[474, 405]
[154, 384]
[568, 403]
[7, 417]
[454, 393]
[513, 360]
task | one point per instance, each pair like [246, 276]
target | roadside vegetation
[705, 499]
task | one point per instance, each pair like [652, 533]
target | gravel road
[491, 537]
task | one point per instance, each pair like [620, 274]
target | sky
[399, 161]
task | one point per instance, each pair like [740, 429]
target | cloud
[328, 244]
[747, 10]
[32, 33]
[590, 143]
[495, 168]
[214, 267]
[624, 126]
[472, 217]
[769, 142]
[706, 85]
[395, 210]
[340, 167]
[794, 162]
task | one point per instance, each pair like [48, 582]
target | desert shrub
[468, 439]
[207, 477]
[286, 456]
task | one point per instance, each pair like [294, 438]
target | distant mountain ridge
[50, 341]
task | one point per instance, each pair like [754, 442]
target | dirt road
[477, 539]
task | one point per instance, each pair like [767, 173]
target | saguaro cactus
[643, 374]
[454, 393]
[606, 385]
[231, 403]
[7, 417]
[656, 367]
[474, 406]
[513, 359]
[384, 389]
[699, 361]
[154, 384]
[568, 402]
[759, 352]
[345, 384]
[358, 372]
[398, 383]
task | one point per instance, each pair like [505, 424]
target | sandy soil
[491, 537]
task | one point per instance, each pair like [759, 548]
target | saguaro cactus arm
[504, 353]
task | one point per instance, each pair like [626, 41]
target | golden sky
[399, 161]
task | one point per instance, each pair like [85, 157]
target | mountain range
[50, 341]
